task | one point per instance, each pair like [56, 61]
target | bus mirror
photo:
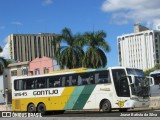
[131, 81]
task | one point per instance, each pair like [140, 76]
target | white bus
[156, 76]
[82, 89]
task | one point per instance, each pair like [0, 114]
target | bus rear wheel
[106, 106]
[31, 108]
[41, 108]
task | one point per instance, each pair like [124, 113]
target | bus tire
[31, 108]
[41, 108]
[106, 106]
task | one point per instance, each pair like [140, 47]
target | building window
[45, 70]
[36, 71]
[25, 71]
[157, 56]
[14, 73]
[155, 35]
[156, 40]
[39, 47]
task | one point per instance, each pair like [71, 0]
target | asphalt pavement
[155, 91]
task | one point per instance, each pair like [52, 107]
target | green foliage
[148, 71]
[69, 56]
[157, 66]
[3, 63]
[73, 55]
[97, 46]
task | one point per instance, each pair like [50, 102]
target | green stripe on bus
[82, 99]
[73, 98]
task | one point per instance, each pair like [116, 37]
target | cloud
[47, 2]
[16, 23]
[5, 53]
[145, 11]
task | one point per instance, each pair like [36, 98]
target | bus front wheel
[31, 108]
[41, 108]
[106, 106]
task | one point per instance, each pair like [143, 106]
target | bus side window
[63, 81]
[91, 79]
[79, 80]
[19, 84]
[51, 83]
[103, 77]
[85, 79]
[74, 80]
[29, 84]
[41, 83]
[55, 81]
[67, 82]
[16, 84]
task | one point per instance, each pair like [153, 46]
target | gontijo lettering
[45, 92]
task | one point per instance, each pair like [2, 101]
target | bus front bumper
[139, 104]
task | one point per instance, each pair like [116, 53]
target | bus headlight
[135, 98]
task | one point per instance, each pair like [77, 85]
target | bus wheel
[31, 108]
[106, 106]
[123, 110]
[41, 109]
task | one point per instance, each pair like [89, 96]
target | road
[115, 115]
[155, 91]
[131, 113]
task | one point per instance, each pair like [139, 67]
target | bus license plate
[143, 103]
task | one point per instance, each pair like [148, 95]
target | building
[37, 66]
[42, 65]
[13, 70]
[27, 47]
[140, 49]
[158, 27]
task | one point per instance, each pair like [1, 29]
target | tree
[69, 56]
[148, 71]
[157, 66]
[3, 63]
[96, 47]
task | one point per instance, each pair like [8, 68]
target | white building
[140, 49]
[158, 27]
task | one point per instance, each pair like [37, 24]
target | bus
[156, 76]
[82, 89]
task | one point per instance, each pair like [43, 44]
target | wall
[41, 63]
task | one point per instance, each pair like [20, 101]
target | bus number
[21, 94]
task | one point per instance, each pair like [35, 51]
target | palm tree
[3, 63]
[97, 46]
[69, 56]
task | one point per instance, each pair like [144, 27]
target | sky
[115, 17]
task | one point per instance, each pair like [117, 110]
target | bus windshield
[141, 86]
[137, 72]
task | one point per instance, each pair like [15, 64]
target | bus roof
[70, 71]
[155, 72]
